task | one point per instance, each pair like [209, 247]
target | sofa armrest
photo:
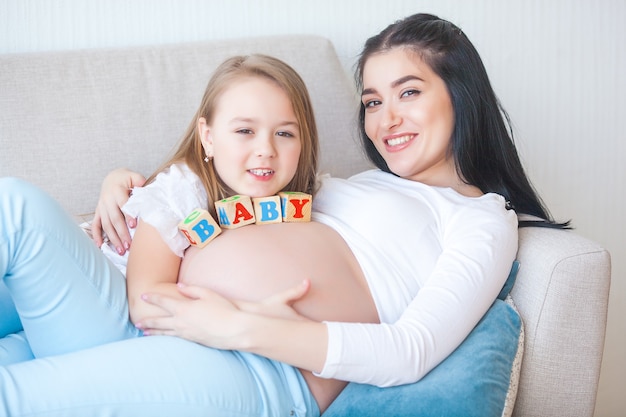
[562, 295]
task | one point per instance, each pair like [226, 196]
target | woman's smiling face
[409, 117]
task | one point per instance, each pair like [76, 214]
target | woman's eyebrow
[367, 91]
[404, 79]
[394, 84]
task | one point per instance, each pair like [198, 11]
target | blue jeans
[64, 303]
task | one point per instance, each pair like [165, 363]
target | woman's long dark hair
[482, 141]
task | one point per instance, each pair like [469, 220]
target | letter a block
[267, 209]
[296, 206]
[235, 211]
[199, 228]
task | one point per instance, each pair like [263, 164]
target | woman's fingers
[202, 316]
[279, 304]
[168, 304]
[291, 295]
[157, 326]
[194, 292]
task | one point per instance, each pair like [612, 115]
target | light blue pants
[66, 293]
[64, 303]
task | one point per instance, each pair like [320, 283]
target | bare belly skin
[255, 261]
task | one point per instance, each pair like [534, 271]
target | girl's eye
[408, 93]
[285, 134]
[245, 131]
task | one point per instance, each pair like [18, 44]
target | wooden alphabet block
[296, 206]
[235, 211]
[199, 227]
[267, 209]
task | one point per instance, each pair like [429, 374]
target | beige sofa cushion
[68, 118]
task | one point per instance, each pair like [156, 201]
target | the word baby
[200, 227]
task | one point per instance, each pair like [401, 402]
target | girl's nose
[265, 146]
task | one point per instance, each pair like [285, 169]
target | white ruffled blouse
[164, 203]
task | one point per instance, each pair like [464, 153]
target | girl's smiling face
[253, 138]
[409, 117]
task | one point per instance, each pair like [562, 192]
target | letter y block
[199, 227]
[296, 206]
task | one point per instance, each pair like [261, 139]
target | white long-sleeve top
[434, 261]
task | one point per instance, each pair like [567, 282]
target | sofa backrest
[68, 118]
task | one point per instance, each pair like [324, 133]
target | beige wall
[557, 66]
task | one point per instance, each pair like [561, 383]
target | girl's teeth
[261, 172]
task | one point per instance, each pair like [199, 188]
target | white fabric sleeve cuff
[333, 354]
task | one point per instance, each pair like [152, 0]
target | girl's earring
[207, 158]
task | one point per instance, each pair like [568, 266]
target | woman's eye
[371, 103]
[408, 93]
[244, 131]
[285, 134]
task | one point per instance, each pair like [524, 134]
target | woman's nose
[391, 117]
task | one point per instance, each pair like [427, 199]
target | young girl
[254, 134]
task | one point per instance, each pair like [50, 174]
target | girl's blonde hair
[191, 152]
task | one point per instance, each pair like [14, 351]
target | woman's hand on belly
[212, 320]
[278, 305]
[187, 317]
[201, 316]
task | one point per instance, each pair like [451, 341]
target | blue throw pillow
[508, 285]
[473, 381]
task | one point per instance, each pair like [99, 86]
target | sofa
[68, 118]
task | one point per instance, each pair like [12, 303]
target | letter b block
[296, 206]
[199, 228]
[235, 211]
[267, 209]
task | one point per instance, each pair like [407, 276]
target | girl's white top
[163, 203]
[434, 260]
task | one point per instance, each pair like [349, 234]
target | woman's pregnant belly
[255, 261]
